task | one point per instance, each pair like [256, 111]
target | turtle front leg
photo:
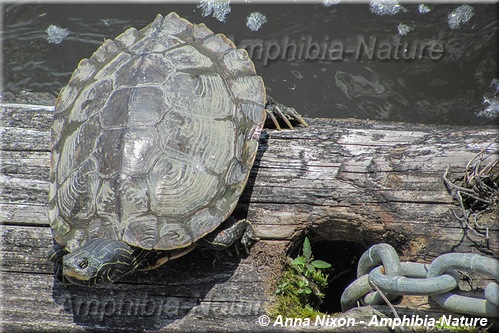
[58, 251]
[233, 233]
[277, 110]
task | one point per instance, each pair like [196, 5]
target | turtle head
[99, 262]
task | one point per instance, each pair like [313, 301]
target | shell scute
[143, 69]
[238, 62]
[172, 235]
[139, 151]
[76, 200]
[99, 228]
[174, 187]
[134, 107]
[187, 57]
[154, 44]
[107, 204]
[66, 98]
[109, 70]
[108, 152]
[91, 100]
[202, 96]
[249, 88]
[128, 38]
[218, 44]
[106, 51]
[201, 142]
[84, 73]
[174, 25]
[75, 149]
[200, 31]
[142, 230]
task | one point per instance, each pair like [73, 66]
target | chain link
[379, 254]
[380, 266]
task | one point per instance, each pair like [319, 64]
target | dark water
[447, 90]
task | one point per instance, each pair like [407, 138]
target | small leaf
[310, 268]
[299, 261]
[307, 249]
[320, 264]
[308, 291]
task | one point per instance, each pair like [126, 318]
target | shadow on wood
[148, 300]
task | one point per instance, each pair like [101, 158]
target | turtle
[153, 140]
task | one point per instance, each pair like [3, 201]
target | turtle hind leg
[233, 234]
[277, 110]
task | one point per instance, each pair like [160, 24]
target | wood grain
[338, 180]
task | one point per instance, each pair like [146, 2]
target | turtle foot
[239, 235]
[55, 256]
[287, 114]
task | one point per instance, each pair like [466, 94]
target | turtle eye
[83, 263]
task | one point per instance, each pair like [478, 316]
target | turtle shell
[154, 137]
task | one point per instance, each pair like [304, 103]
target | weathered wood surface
[354, 180]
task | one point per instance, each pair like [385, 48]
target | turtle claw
[55, 255]
[248, 238]
[245, 243]
[283, 112]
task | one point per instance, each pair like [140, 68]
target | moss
[299, 290]
[290, 306]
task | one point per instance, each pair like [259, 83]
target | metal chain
[380, 266]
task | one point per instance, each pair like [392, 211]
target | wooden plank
[216, 286]
[341, 180]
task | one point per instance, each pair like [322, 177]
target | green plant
[300, 289]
